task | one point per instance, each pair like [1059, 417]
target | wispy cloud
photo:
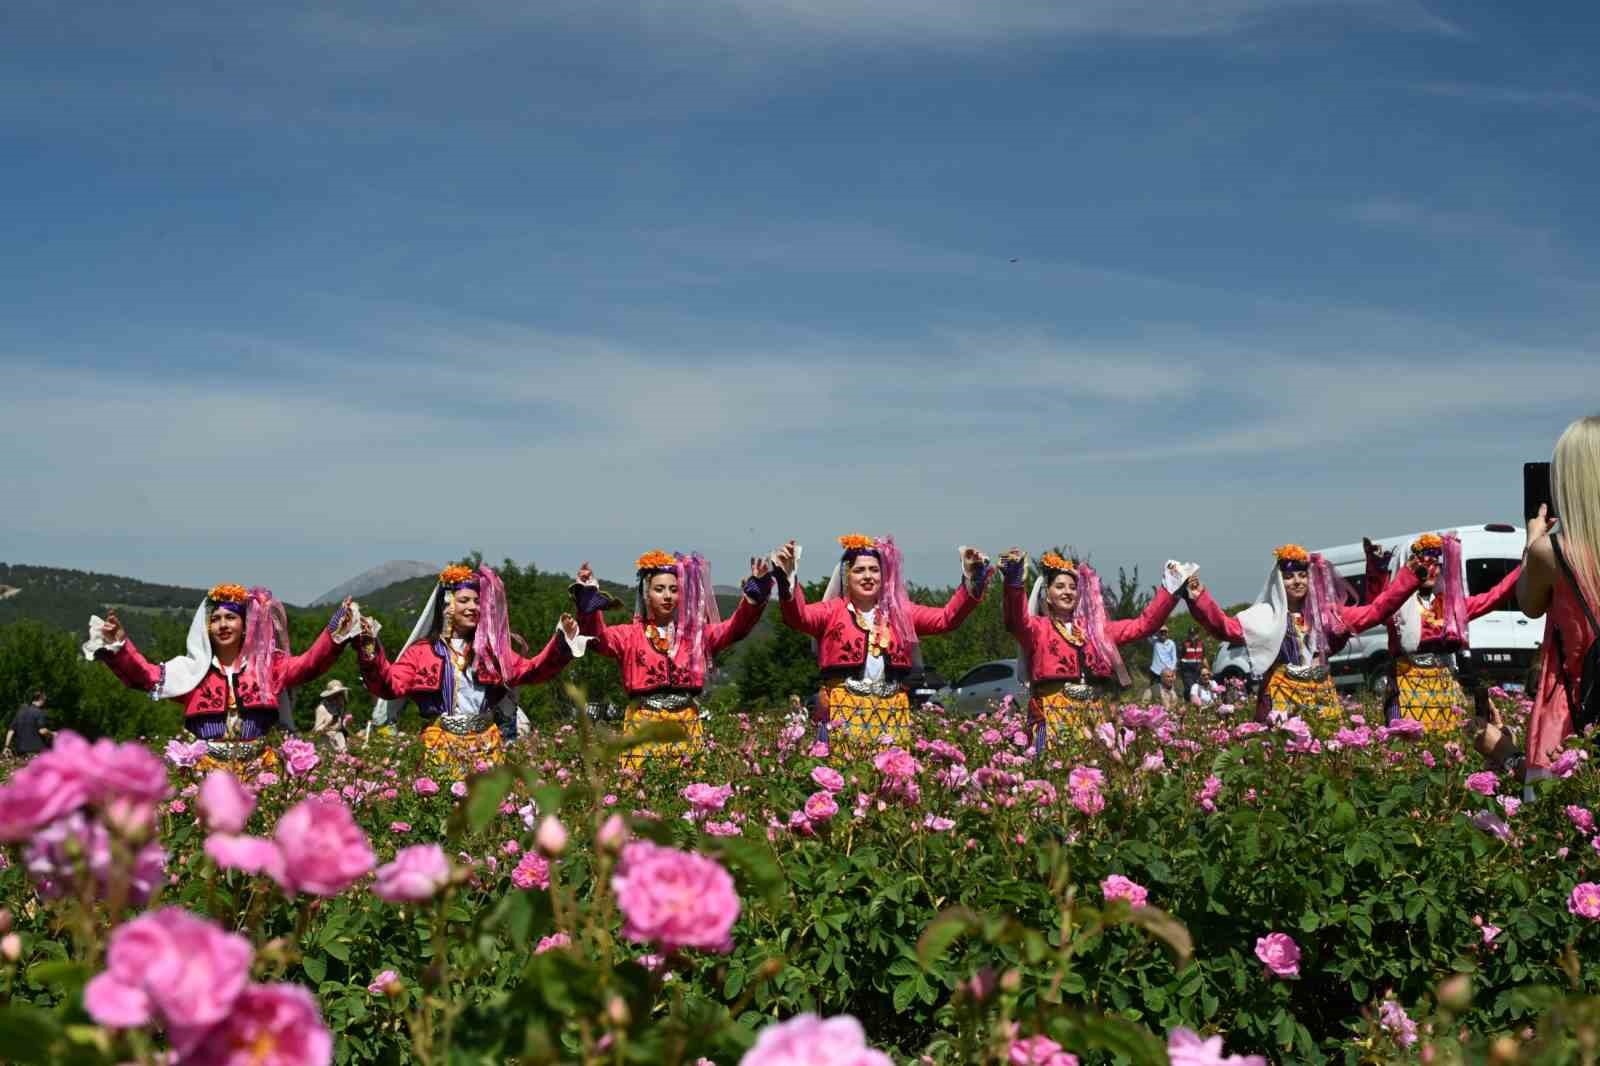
[1514, 96]
[1443, 224]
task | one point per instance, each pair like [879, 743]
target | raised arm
[1123, 630]
[318, 659]
[1013, 599]
[1484, 602]
[1211, 617]
[119, 653]
[1539, 566]
[384, 679]
[796, 613]
[542, 667]
[1384, 604]
[589, 604]
[975, 579]
[1377, 573]
[757, 590]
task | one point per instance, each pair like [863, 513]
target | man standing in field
[28, 735]
[1163, 655]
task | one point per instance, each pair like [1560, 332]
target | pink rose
[1279, 953]
[1585, 900]
[171, 967]
[1186, 1048]
[807, 1040]
[425, 786]
[674, 898]
[416, 874]
[1483, 783]
[1039, 1050]
[458, 789]
[1582, 818]
[273, 1025]
[224, 803]
[383, 982]
[185, 755]
[69, 847]
[531, 871]
[324, 851]
[934, 823]
[829, 778]
[1118, 887]
[39, 793]
[896, 763]
[820, 806]
[707, 798]
[247, 854]
[551, 942]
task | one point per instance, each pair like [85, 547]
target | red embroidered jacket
[842, 643]
[211, 695]
[1365, 616]
[1433, 639]
[1054, 658]
[645, 668]
[419, 673]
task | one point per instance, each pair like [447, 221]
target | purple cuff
[1011, 570]
[588, 598]
[337, 620]
[782, 578]
[759, 589]
[976, 583]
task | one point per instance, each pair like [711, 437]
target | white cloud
[1515, 96]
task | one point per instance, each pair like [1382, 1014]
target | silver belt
[668, 701]
[1073, 690]
[1314, 672]
[882, 688]
[463, 725]
[1429, 660]
[236, 750]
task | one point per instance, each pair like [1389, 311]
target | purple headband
[850, 554]
[236, 608]
[1293, 566]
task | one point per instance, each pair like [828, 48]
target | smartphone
[1536, 490]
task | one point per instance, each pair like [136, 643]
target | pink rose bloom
[531, 871]
[829, 778]
[416, 874]
[301, 756]
[1484, 783]
[458, 789]
[820, 806]
[1185, 1048]
[1490, 932]
[1279, 953]
[273, 1025]
[721, 829]
[1585, 900]
[171, 967]
[399, 827]
[1085, 777]
[185, 755]
[1039, 1050]
[936, 824]
[675, 899]
[1088, 800]
[324, 850]
[1582, 818]
[42, 791]
[247, 854]
[707, 798]
[1118, 887]
[62, 851]
[224, 803]
[551, 942]
[897, 763]
[425, 786]
[1394, 1018]
[806, 1040]
[1567, 762]
[380, 984]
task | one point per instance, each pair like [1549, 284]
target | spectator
[1545, 588]
[28, 734]
[1204, 691]
[1191, 659]
[1163, 653]
[1168, 690]
[329, 719]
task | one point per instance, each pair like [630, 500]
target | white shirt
[873, 669]
[471, 697]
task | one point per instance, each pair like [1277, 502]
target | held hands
[973, 561]
[1193, 589]
[111, 631]
[759, 568]
[785, 557]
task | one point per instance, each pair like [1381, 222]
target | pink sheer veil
[1451, 591]
[266, 632]
[1105, 658]
[491, 642]
[1329, 592]
[895, 595]
[697, 606]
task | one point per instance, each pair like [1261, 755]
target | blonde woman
[1547, 588]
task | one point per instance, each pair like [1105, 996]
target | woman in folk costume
[1302, 616]
[234, 677]
[665, 651]
[866, 629]
[459, 667]
[1068, 647]
[1429, 628]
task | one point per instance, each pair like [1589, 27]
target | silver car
[986, 684]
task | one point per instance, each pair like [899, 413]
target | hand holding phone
[1536, 491]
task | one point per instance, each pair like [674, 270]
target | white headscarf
[1265, 622]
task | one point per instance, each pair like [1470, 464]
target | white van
[1504, 643]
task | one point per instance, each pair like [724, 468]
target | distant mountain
[380, 576]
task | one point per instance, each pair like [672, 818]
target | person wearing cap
[329, 717]
[1303, 615]
[667, 649]
[1163, 654]
[867, 634]
[1430, 628]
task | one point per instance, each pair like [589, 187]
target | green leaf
[316, 968]
[28, 1034]
[756, 863]
[485, 794]
[65, 977]
[653, 733]
[1159, 924]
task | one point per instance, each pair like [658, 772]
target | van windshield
[1485, 574]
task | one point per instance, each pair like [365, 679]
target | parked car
[924, 686]
[984, 684]
[1504, 643]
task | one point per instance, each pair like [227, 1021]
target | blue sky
[294, 289]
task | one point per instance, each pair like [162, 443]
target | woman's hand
[569, 624]
[1011, 556]
[973, 561]
[111, 630]
[1540, 525]
[1373, 552]
[585, 575]
[1423, 568]
[785, 557]
[759, 568]
[1193, 588]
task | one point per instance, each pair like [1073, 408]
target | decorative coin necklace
[1432, 610]
[877, 635]
[660, 637]
[1069, 632]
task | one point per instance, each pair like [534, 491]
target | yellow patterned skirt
[1066, 710]
[461, 751]
[1303, 697]
[688, 718]
[856, 720]
[1430, 694]
[249, 765]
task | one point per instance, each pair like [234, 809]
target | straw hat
[335, 688]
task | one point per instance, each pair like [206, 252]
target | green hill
[66, 598]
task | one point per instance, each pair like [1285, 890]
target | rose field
[1193, 889]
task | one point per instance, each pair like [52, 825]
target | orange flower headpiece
[226, 595]
[1052, 563]
[457, 576]
[1292, 558]
[858, 544]
[1430, 543]
[652, 562]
